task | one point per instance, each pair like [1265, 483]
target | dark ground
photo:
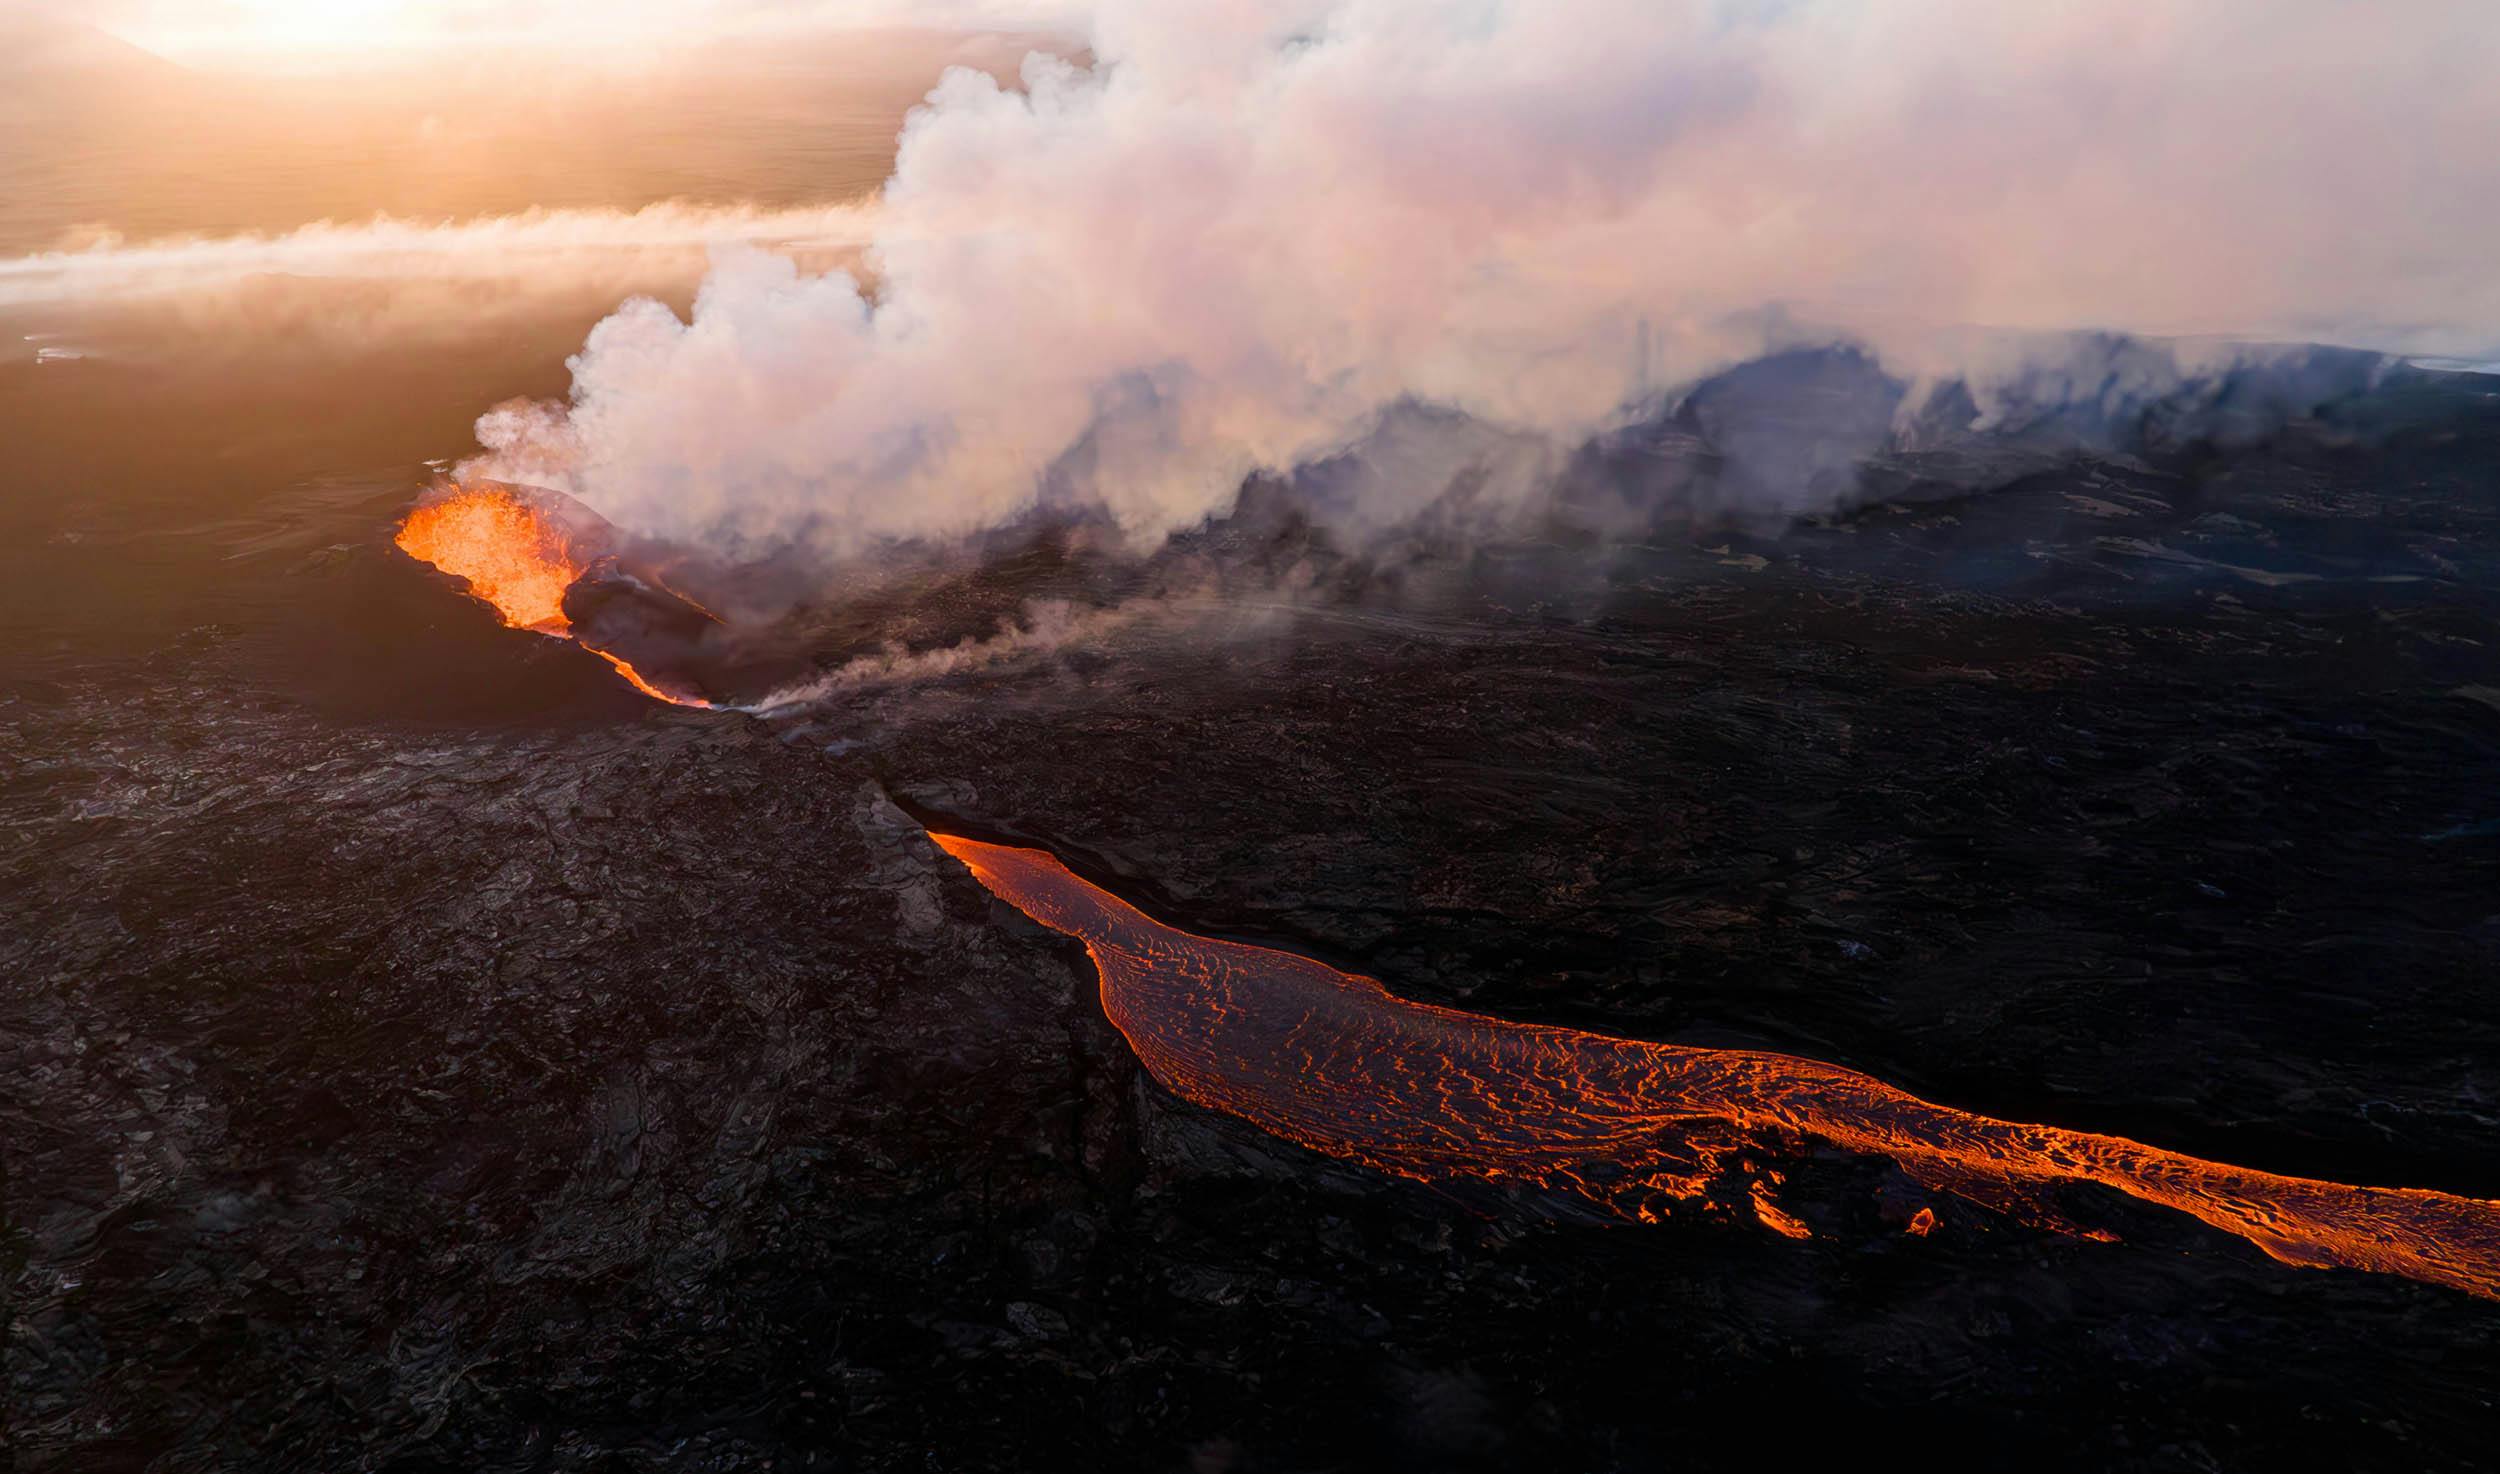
[598, 1086]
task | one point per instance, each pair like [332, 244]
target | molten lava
[513, 557]
[516, 560]
[1337, 1063]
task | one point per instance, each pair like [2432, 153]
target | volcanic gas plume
[1339, 1064]
[1251, 229]
[517, 560]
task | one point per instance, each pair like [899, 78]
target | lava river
[1336, 1062]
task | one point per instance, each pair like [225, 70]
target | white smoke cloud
[1255, 225]
[555, 247]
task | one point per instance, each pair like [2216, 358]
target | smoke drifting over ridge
[1253, 231]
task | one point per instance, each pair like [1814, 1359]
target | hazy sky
[228, 28]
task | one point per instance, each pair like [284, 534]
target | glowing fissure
[1336, 1062]
[516, 562]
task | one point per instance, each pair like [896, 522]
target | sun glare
[306, 27]
[327, 25]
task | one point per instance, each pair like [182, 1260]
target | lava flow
[1336, 1062]
[516, 560]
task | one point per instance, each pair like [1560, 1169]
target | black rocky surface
[637, 1089]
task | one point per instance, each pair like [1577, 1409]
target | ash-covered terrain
[458, 1061]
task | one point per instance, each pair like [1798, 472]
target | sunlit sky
[210, 29]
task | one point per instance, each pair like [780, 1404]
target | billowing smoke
[1256, 235]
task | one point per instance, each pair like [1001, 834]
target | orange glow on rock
[1775, 1218]
[1336, 1062]
[516, 562]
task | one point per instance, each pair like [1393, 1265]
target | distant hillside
[40, 46]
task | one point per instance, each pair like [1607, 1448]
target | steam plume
[1255, 227]
[559, 246]
[1049, 626]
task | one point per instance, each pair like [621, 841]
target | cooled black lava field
[469, 1064]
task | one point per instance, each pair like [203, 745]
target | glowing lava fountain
[516, 560]
[1337, 1063]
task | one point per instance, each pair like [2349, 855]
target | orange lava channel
[515, 561]
[1336, 1062]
